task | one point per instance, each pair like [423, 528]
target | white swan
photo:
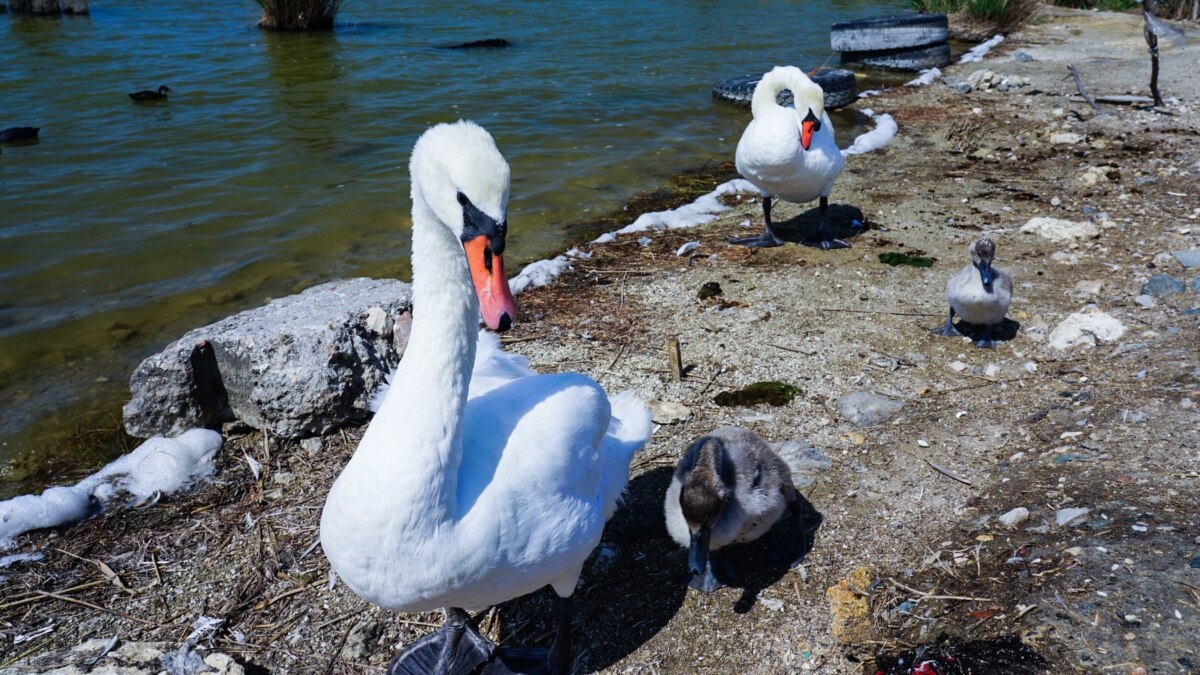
[979, 293]
[478, 480]
[790, 151]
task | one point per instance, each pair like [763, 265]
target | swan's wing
[552, 435]
[495, 367]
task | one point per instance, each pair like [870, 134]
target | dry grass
[298, 15]
[995, 16]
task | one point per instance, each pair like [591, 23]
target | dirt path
[914, 501]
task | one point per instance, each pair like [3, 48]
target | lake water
[281, 161]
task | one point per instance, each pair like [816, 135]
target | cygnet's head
[707, 480]
[164, 89]
[983, 251]
[458, 172]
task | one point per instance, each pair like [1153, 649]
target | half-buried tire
[838, 84]
[889, 32]
[917, 58]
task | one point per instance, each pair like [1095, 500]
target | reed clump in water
[46, 7]
[298, 15]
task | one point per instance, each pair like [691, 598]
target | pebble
[1066, 516]
[312, 445]
[1065, 138]
[922, 442]
[1014, 517]
[958, 366]
[773, 604]
[866, 408]
[378, 322]
[1059, 230]
[1188, 258]
[1145, 301]
[668, 412]
[1023, 57]
[1055, 201]
[992, 370]
[1030, 367]
[802, 457]
[1088, 287]
[1086, 329]
[1163, 285]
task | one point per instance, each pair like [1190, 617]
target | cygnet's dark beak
[483, 240]
[985, 275]
[698, 551]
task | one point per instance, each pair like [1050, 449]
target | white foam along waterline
[157, 466]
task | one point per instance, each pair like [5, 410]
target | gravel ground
[912, 548]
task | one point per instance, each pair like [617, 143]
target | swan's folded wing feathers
[494, 366]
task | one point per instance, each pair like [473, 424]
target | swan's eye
[462, 199]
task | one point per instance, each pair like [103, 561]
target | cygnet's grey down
[731, 488]
[979, 294]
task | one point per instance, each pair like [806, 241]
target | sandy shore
[914, 500]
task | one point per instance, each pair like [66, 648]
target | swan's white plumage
[769, 154]
[478, 480]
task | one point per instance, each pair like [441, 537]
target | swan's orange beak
[487, 273]
[807, 128]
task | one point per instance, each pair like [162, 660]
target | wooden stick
[874, 311]
[85, 603]
[675, 359]
[1079, 85]
[948, 473]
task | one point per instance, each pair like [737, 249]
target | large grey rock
[866, 408]
[298, 366]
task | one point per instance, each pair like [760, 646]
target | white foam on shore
[926, 78]
[976, 54]
[699, 212]
[158, 466]
[885, 130]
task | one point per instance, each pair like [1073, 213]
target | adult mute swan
[478, 480]
[978, 293]
[731, 488]
[790, 152]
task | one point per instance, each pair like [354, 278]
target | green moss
[773, 393]
[892, 258]
[710, 289]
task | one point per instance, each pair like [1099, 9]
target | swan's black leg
[986, 341]
[454, 649]
[717, 574]
[765, 240]
[823, 240]
[947, 329]
[562, 655]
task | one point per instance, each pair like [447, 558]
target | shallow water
[280, 161]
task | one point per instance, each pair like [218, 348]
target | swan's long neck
[421, 416]
[766, 94]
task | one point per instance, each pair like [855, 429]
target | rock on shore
[298, 366]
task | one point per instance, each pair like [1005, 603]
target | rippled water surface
[280, 161]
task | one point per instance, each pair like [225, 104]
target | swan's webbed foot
[986, 341]
[454, 649]
[717, 574]
[825, 244]
[947, 329]
[765, 240]
[558, 660]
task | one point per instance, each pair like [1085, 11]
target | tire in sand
[838, 84]
[917, 58]
[889, 32]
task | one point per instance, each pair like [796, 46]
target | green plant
[298, 15]
[1002, 15]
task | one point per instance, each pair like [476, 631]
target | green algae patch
[773, 393]
[892, 258]
[710, 289]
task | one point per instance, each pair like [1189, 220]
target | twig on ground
[948, 473]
